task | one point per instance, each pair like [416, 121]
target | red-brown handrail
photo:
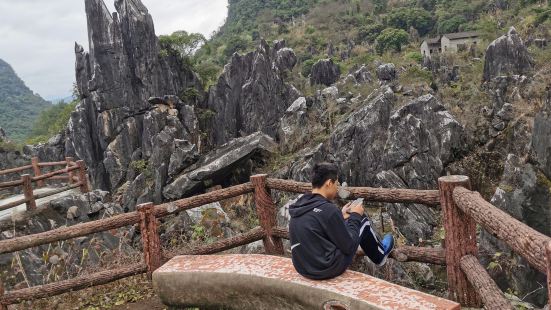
[26, 180]
[460, 211]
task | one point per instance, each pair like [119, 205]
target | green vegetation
[381, 26]
[391, 39]
[51, 121]
[19, 106]
[406, 17]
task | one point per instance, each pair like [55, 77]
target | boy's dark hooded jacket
[322, 242]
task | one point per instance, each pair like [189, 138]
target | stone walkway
[7, 213]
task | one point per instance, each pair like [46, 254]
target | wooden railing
[66, 174]
[468, 281]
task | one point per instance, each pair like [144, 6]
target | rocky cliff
[251, 94]
[115, 79]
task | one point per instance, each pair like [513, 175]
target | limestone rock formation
[507, 55]
[251, 94]
[324, 72]
[406, 148]
[540, 136]
[122, 70]
[3, 136]
[362, 75]
[220, 165]
[524, 193]
[386, 72]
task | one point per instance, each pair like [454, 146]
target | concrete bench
[255, 281]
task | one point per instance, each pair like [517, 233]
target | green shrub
[310, 29]
[208, 72]
[391, 39]
[370, 32]
[415, 56]
[189, 94]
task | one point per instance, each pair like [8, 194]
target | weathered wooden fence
[462, 209]
[66, 174]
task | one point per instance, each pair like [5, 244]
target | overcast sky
[37, 36]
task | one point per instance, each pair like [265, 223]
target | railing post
[266, 211]
[70, 173]
[2, 306]
[28, 192]
[150, 237]
[548, 252]
[82, 176]
[36, 170]
[460, 240]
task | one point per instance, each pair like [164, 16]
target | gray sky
[37, 36]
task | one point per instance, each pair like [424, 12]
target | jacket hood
[306, 203]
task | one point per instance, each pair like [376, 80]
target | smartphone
[357, 201]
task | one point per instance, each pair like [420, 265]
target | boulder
[507, 55]
[363, 75]
[324, 72]
[212, 218]
[218, 166]
[386, 72]
[183, 155]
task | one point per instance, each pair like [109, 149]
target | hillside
[19, 106]
[348, 30]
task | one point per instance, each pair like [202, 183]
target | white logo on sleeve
[317, 210]
[294, 246]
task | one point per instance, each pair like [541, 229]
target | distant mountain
[58, 99]
[19, 106]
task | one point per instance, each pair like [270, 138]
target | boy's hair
[323, 172]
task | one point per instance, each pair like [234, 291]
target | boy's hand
[345, 210]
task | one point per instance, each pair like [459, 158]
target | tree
[404, 18]
[51, 121]
[452, 24]
[182, 42]
[379, 6]
[391, 39]
[370, 32]
[235, 44]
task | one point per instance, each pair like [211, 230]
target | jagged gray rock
[251, 94]
[386, 72]
[507, 55]
[114, 82]
[3, 136]
[540, 136]
[524, 192]
[408, 148]
[324, 72]
[362, 75]
[218, 166]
